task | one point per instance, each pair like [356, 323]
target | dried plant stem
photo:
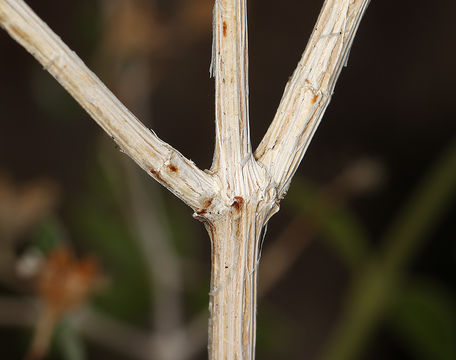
[230, 67]
[309, 90]
[242, 191]
[235, 241]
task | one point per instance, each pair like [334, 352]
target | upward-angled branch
[230, 66]
[309, 91]
[157, 158]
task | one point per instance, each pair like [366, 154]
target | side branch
[309, 90]
[230, 66]
[180, 175]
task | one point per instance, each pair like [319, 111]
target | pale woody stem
[232, 326]
[309, 90]
[230, 66]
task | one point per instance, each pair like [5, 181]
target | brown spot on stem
[201, 212]
[225, 27]
[314, 99]
[238, 203]
[207, 203]
[156, 174]
[238, 231]
[173, 168]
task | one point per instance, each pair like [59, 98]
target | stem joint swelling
[246, 183]
[263, 200]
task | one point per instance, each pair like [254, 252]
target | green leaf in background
[48, 235]
[274, 335]
[341, 229]
[345, 235]
[97, 224]
[424, 317]
[412, 226]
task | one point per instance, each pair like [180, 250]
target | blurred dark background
[359, 263]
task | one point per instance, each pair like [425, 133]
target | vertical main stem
[235, 245]
[230, 68]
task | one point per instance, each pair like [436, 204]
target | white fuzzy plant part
[243, 189]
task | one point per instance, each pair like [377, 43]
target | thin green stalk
[375, 287]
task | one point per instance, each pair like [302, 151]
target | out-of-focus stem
[375, 287]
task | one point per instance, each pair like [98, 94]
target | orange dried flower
[64, 283]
